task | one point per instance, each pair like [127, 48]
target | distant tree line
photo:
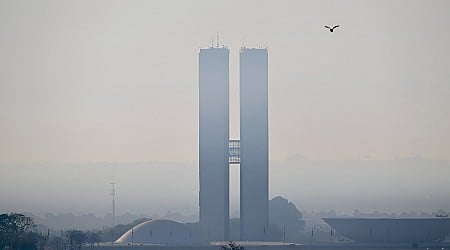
[85, 222]
[18, 232]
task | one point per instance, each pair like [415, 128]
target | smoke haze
[87, 82]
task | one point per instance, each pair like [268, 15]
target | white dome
[160, 232]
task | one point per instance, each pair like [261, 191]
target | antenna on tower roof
[217, 40]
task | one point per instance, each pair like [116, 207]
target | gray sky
[117, 81]
[87, 81]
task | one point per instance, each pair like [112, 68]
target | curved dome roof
[159, 232]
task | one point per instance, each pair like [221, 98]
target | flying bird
[331, 29]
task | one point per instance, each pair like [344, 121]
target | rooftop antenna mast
[217, 40]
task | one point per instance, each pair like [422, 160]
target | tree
[76, 238]
[57, 242]
[29, 241]
[285, 220]
[93, 237]
[233, 246]
[16, 231]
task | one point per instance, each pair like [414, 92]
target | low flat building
[392, 230]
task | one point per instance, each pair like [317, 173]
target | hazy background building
[254, 168]
[213, 143]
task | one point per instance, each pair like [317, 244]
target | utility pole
[113, 194]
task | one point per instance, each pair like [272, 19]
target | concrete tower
[213, 143]
[254, 133]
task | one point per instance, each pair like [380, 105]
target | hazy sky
[117, 81]
[88, 81]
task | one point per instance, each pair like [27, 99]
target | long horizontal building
[392, 230]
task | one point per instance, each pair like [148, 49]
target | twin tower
[217, 152]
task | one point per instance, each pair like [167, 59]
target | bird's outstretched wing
[335, 26]
[327, 27]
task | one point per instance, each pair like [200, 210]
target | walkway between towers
[234, 152]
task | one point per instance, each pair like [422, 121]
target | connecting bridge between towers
[234, 152]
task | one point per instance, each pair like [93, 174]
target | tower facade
[254, 143]
[217, 151]
[213, 143]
